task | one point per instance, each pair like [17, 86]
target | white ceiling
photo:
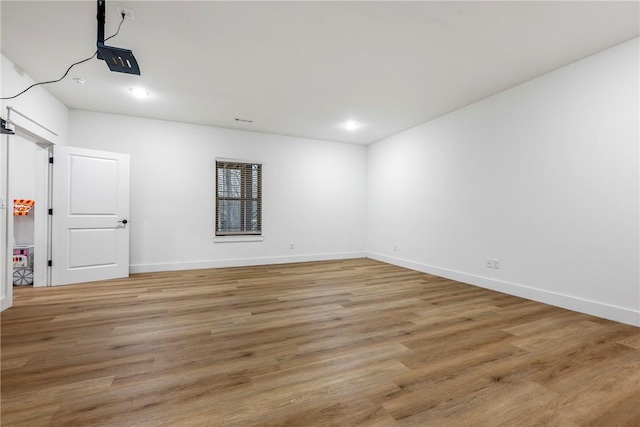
[305, 68]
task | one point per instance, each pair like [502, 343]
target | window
[238, 198]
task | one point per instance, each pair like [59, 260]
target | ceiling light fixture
[78, 80]
[138, 92]
[351, 125]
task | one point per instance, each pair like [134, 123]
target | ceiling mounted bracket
[118, 60]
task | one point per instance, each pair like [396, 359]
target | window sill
[236, 239]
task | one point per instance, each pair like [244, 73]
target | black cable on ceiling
[68, 69]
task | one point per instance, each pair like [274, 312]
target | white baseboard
[594, 308]
[244, 262]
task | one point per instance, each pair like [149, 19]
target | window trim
[237, 236]
[238, 239]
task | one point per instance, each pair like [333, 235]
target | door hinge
[50, 211]
[49, 263]
[50, 159]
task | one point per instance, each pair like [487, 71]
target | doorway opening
[26, 240]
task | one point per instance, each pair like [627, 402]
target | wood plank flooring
[340, 343]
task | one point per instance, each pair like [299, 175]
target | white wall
[313, 192]
[23, 186]
[37, 104]
[543, 177]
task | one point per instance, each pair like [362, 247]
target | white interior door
[90, 231]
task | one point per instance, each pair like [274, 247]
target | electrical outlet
[395, 248]
[291, 245]
[128, 13]
[493, 263]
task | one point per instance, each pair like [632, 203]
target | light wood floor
[338, 343]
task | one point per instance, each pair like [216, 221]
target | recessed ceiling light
[138, 92]
[351, 125]
[78, 80]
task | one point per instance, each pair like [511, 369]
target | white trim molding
[244, 262]
[593, 308]
[236, 239]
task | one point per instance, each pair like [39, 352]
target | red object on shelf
[21, 207]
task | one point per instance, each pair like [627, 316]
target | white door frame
[6, 291]
[42, 219]
[42, 230]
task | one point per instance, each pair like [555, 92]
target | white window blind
[238, 198]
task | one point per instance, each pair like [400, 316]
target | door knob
[124, 221]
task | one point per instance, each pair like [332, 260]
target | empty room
[320, 213]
